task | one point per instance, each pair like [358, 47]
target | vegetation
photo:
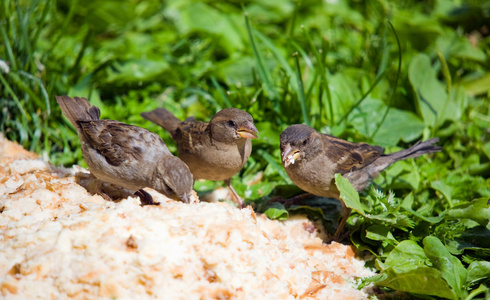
[372, 71]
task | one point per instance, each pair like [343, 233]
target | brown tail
[164, 118]
[416, 150]
[77, 109]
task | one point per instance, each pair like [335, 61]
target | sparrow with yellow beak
[214, 150]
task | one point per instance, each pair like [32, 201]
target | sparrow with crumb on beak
[214, 150]
[126, 155]
[311, 160]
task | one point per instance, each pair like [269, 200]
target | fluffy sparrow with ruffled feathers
[126, 155]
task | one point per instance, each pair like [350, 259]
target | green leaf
[444, 189]
[348, 194]
[398, 124]
[451, 268]
[407, 256]
[277, 211]
[406, 270]
[380, 233]
[477, 271]
[432, 100]
[424, 280]
[477, 210]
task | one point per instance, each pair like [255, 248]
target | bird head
[174, 179]
[297, 142]
[232, 124]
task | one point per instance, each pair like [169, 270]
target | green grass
[378, 72]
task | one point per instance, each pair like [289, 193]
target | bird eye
[305, 142]
[231, 123]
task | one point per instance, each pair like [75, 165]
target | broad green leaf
[478, 270]
[444, 189]
[136, 70]
[380, 233]
[406, 269]
[348, 194]
[277, 211]
[423, 280]
[477, 210]
[398, 125]
[432, 99]
[476, 238]
[478, 86]
[407, 256]
[451, 268]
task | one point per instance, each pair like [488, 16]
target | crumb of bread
[57, 241]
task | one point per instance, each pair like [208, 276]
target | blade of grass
[44, 93]
[447, 78]
[64, 27]
[376, 81]
[14, 96]
[205, 95]
[40, 24]
[220, 90]
[263, 70]
[396, 80]
[301, 90]
[24, 36]
[75, 70]
[275, 52]
[323, 73]
[272, 162]
[24, 87]
[8, 48]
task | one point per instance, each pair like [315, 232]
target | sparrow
[214, 150]
[125, 155]
[311, 160]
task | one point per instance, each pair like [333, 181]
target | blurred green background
[382, 72]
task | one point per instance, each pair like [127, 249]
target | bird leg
[345, 215]
[145, 198]
[235, 196]
[98, 190]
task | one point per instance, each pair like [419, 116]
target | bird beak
[185, 198]
[248, 131]
[289, 156]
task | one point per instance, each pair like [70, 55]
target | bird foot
[234, 197]
[145, 198]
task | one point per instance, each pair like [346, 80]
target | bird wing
[350, 156]
[118, 142]
[192, 134]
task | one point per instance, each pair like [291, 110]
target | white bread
[58, 241]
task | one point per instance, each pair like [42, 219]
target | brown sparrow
[311, 160]
[214, 151]
[126, 155]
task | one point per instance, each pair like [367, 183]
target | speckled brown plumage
[311, 160]
[126, 155]
[214, 150]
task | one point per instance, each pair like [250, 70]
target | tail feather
[416, 150]
[163, 118]
[77, 109]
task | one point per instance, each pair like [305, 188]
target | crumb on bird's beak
[290, 155]
[248, 131]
